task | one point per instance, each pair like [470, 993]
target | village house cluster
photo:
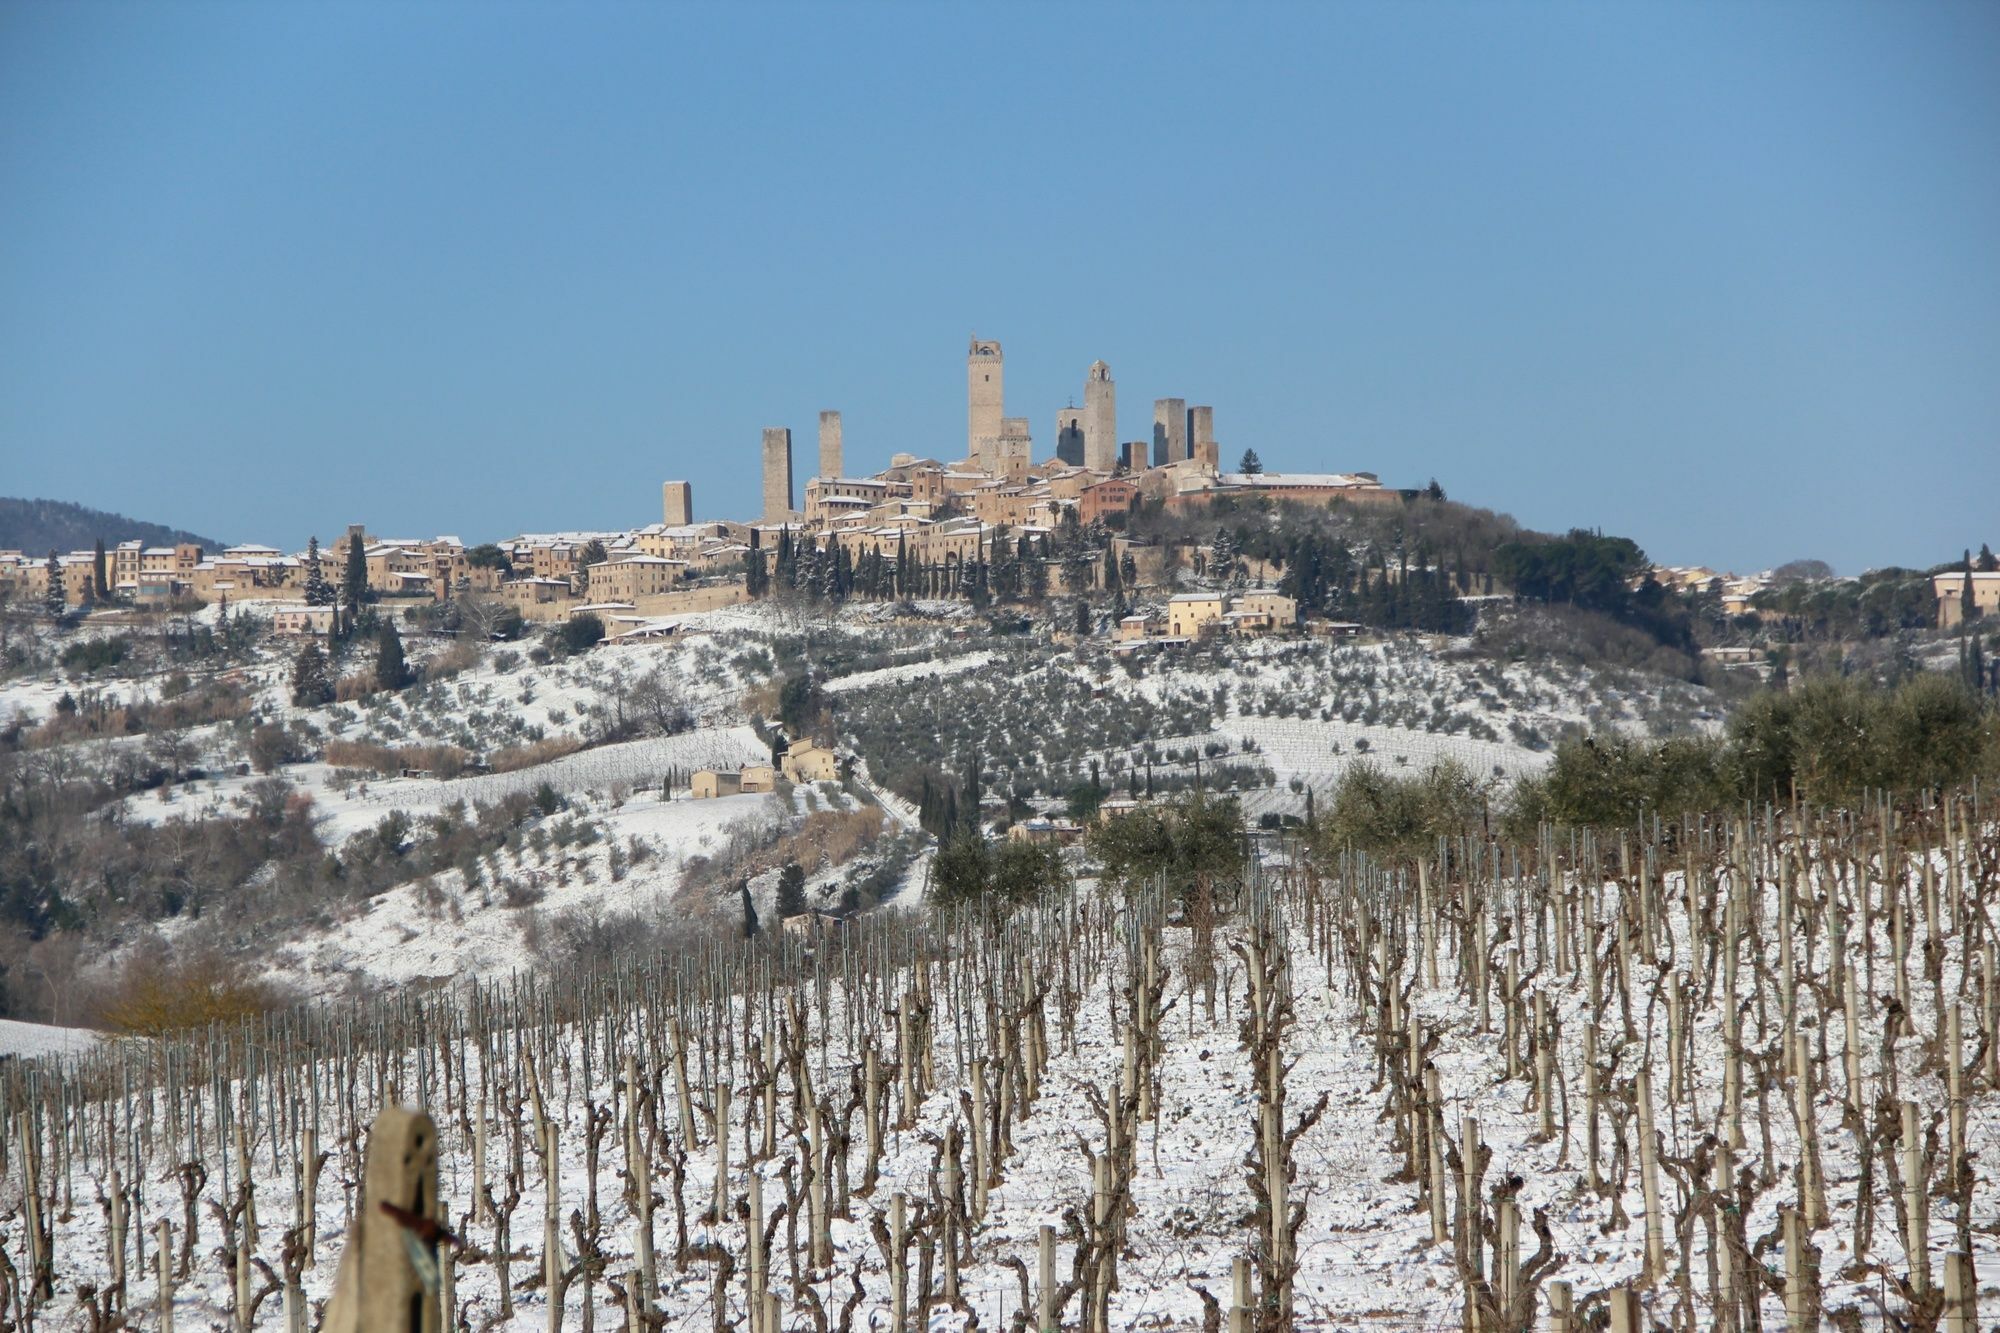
[918, 512]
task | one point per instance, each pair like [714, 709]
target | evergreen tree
[312, 677]
[1988, 562]
[392, 672]
[318, 591]
[974, 797]
[1083, 621]
[1222, 563]
[354, 580]
[791, 890]
[52, 595]
[749, 910]
[1250, 465]
[99, 587]
[1968, 606]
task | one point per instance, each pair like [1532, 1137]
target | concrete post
[1562, 1308]
[388, 1261]
[1961, 1294]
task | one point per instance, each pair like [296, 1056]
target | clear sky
[1724, 278]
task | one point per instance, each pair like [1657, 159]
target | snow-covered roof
[1283, 479]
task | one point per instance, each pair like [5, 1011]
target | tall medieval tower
[983, 399]
[1170, 442]
[1100, 419]
[777, 474]
[829, 446]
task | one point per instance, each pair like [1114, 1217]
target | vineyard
[1725, 1075]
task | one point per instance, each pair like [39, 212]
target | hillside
[512, 845]
[57, 525]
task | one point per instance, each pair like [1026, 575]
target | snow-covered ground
[40, 1039]
[1366, 1260]
[438, 930]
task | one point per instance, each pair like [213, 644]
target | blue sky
[1723, 278]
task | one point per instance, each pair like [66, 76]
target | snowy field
[1365, 1251]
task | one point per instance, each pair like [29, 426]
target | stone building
[806, 762]
[677, 504]
[1069, 436]
[633, 577]
[1113, 495]
[984, 398]
[1015, 450]
[1949, 590]
[1100, 419]
[1169, 431]
[1201, 437]
[829, 445]
[777, 473]
[1192, 612]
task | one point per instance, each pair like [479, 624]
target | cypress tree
[974, 797]
[392, 671]
[99, 586]
[354, 579]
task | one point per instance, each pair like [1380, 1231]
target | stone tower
[829, 445]
[1100, 419]
[1014, 451]
[777, 473]
[1169, 431]
[677, 504]
[1201, 436]
[983, 400]
[1069, 436]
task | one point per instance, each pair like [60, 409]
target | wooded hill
[57, 525]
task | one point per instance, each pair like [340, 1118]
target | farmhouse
[805, 761]
[1950, 592]
[302, 620]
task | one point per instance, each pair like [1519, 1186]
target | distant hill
[38, 526]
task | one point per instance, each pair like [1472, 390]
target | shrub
[580, 633]
[86, 655]
[271, 746]
[154, 995]
[444, 761]
[516, 757]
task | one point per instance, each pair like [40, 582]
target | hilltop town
[992, 525]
